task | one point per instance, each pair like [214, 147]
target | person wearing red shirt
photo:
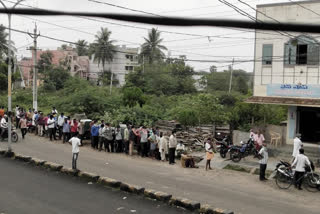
[74, 128]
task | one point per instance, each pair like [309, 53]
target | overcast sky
[239, 46]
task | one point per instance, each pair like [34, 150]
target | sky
[220, 45]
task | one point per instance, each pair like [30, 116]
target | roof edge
[287, 3]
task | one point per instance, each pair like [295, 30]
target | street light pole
[9, 77]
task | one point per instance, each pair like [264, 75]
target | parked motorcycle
[223, 147]
[14, 135]
[246, 149]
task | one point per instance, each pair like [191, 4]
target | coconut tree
[152, 48]
[3, 41]
[82, 48]
[104, 49]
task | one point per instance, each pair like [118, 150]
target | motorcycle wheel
[14, 137]
[310, 182]
[223, 154]
[283, 181]
[235, 156]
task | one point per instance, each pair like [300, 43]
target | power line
[297, 3]
[125, 8]
[173, 21]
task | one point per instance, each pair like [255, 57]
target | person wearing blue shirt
[66, 130]
[95, 135]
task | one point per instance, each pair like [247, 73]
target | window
[129, 68]
[129, 57]
[301, 50]
[267, 54]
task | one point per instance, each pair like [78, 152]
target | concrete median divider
[185, 203]
[131, 188]
[52, 166]
[22, 158]
[105, 181]
[37, 162]
[109, 182]
[69, 171]
[89, 176]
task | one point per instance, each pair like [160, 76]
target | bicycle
[285, 177]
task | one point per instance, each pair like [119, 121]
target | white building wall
[120, 65]
[278, 72]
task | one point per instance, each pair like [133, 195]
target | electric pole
[231, 73]
[35, 71]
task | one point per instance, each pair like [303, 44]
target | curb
[22, 158]
[109, 182]
[89, 176]
[52, 166]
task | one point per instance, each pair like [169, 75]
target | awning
[285, 101]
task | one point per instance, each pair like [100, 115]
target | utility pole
[35, 71]
[111, 82]
[9, 77]
[231, 72]
[143, 64]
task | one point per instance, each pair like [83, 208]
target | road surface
[25, 189]
[240, 192]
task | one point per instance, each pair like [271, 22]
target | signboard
[293, 90]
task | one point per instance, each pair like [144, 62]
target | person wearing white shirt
[3, 125]
[209, 153]
[54, 111]
[51, 124]
[297, 145]
[75, 142]
[60, 124]
[172, 147]
[180, 149]
[263, 161]
[300, 162]
[163, 144]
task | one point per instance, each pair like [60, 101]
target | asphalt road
[239, 192]
[26, 189]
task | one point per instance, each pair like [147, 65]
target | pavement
[26, 189]
[226, 189]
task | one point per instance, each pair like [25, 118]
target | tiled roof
[285, 101]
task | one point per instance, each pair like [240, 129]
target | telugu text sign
[293, 90]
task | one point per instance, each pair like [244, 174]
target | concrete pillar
[292, 124]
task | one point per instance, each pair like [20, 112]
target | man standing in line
[172, 147]
[23, 126]
[60, 124]
[1, 111]
[34, 122]
[66, 130]
[119, 142]
[17, 116]
[54, 111]
[74, 127]
[144, 141]
[109, 138]
[297, 145]
[95, 135]
[300, 163]
[259, 140]
[263, 161]
[3, 125]
[101, 136]
[51, 124]
[40, 122]
[163, 146]
[126, 139]
[75, 142]
[132, 139]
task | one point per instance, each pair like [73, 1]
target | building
[77, 65]
[286, 69]
[124, 60]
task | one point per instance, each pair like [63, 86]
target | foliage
[103, 47]
[152, 49]
[3, 41]
[133, 96]
[45, 61]
[55, 78]
[105, 78]
[3, 76]
[163, 79]
[82, 48]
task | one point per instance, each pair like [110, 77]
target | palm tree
[3, 41]
[103, 47]
[152, 48]
[82, 48]
[104, 50]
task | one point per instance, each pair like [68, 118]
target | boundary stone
[52, 166]
[131, 188]
[89, 176]
[109, 182]
[22, 158]
[37, 162]
[69, 171]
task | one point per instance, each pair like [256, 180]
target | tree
[213, 68]
[241, 85]
[82, 48]
[64, 47]
[105, 78]
[152, 48]
[45, 61]
[3, 41]
[133, 96]
[55, 78]
[103, 47]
